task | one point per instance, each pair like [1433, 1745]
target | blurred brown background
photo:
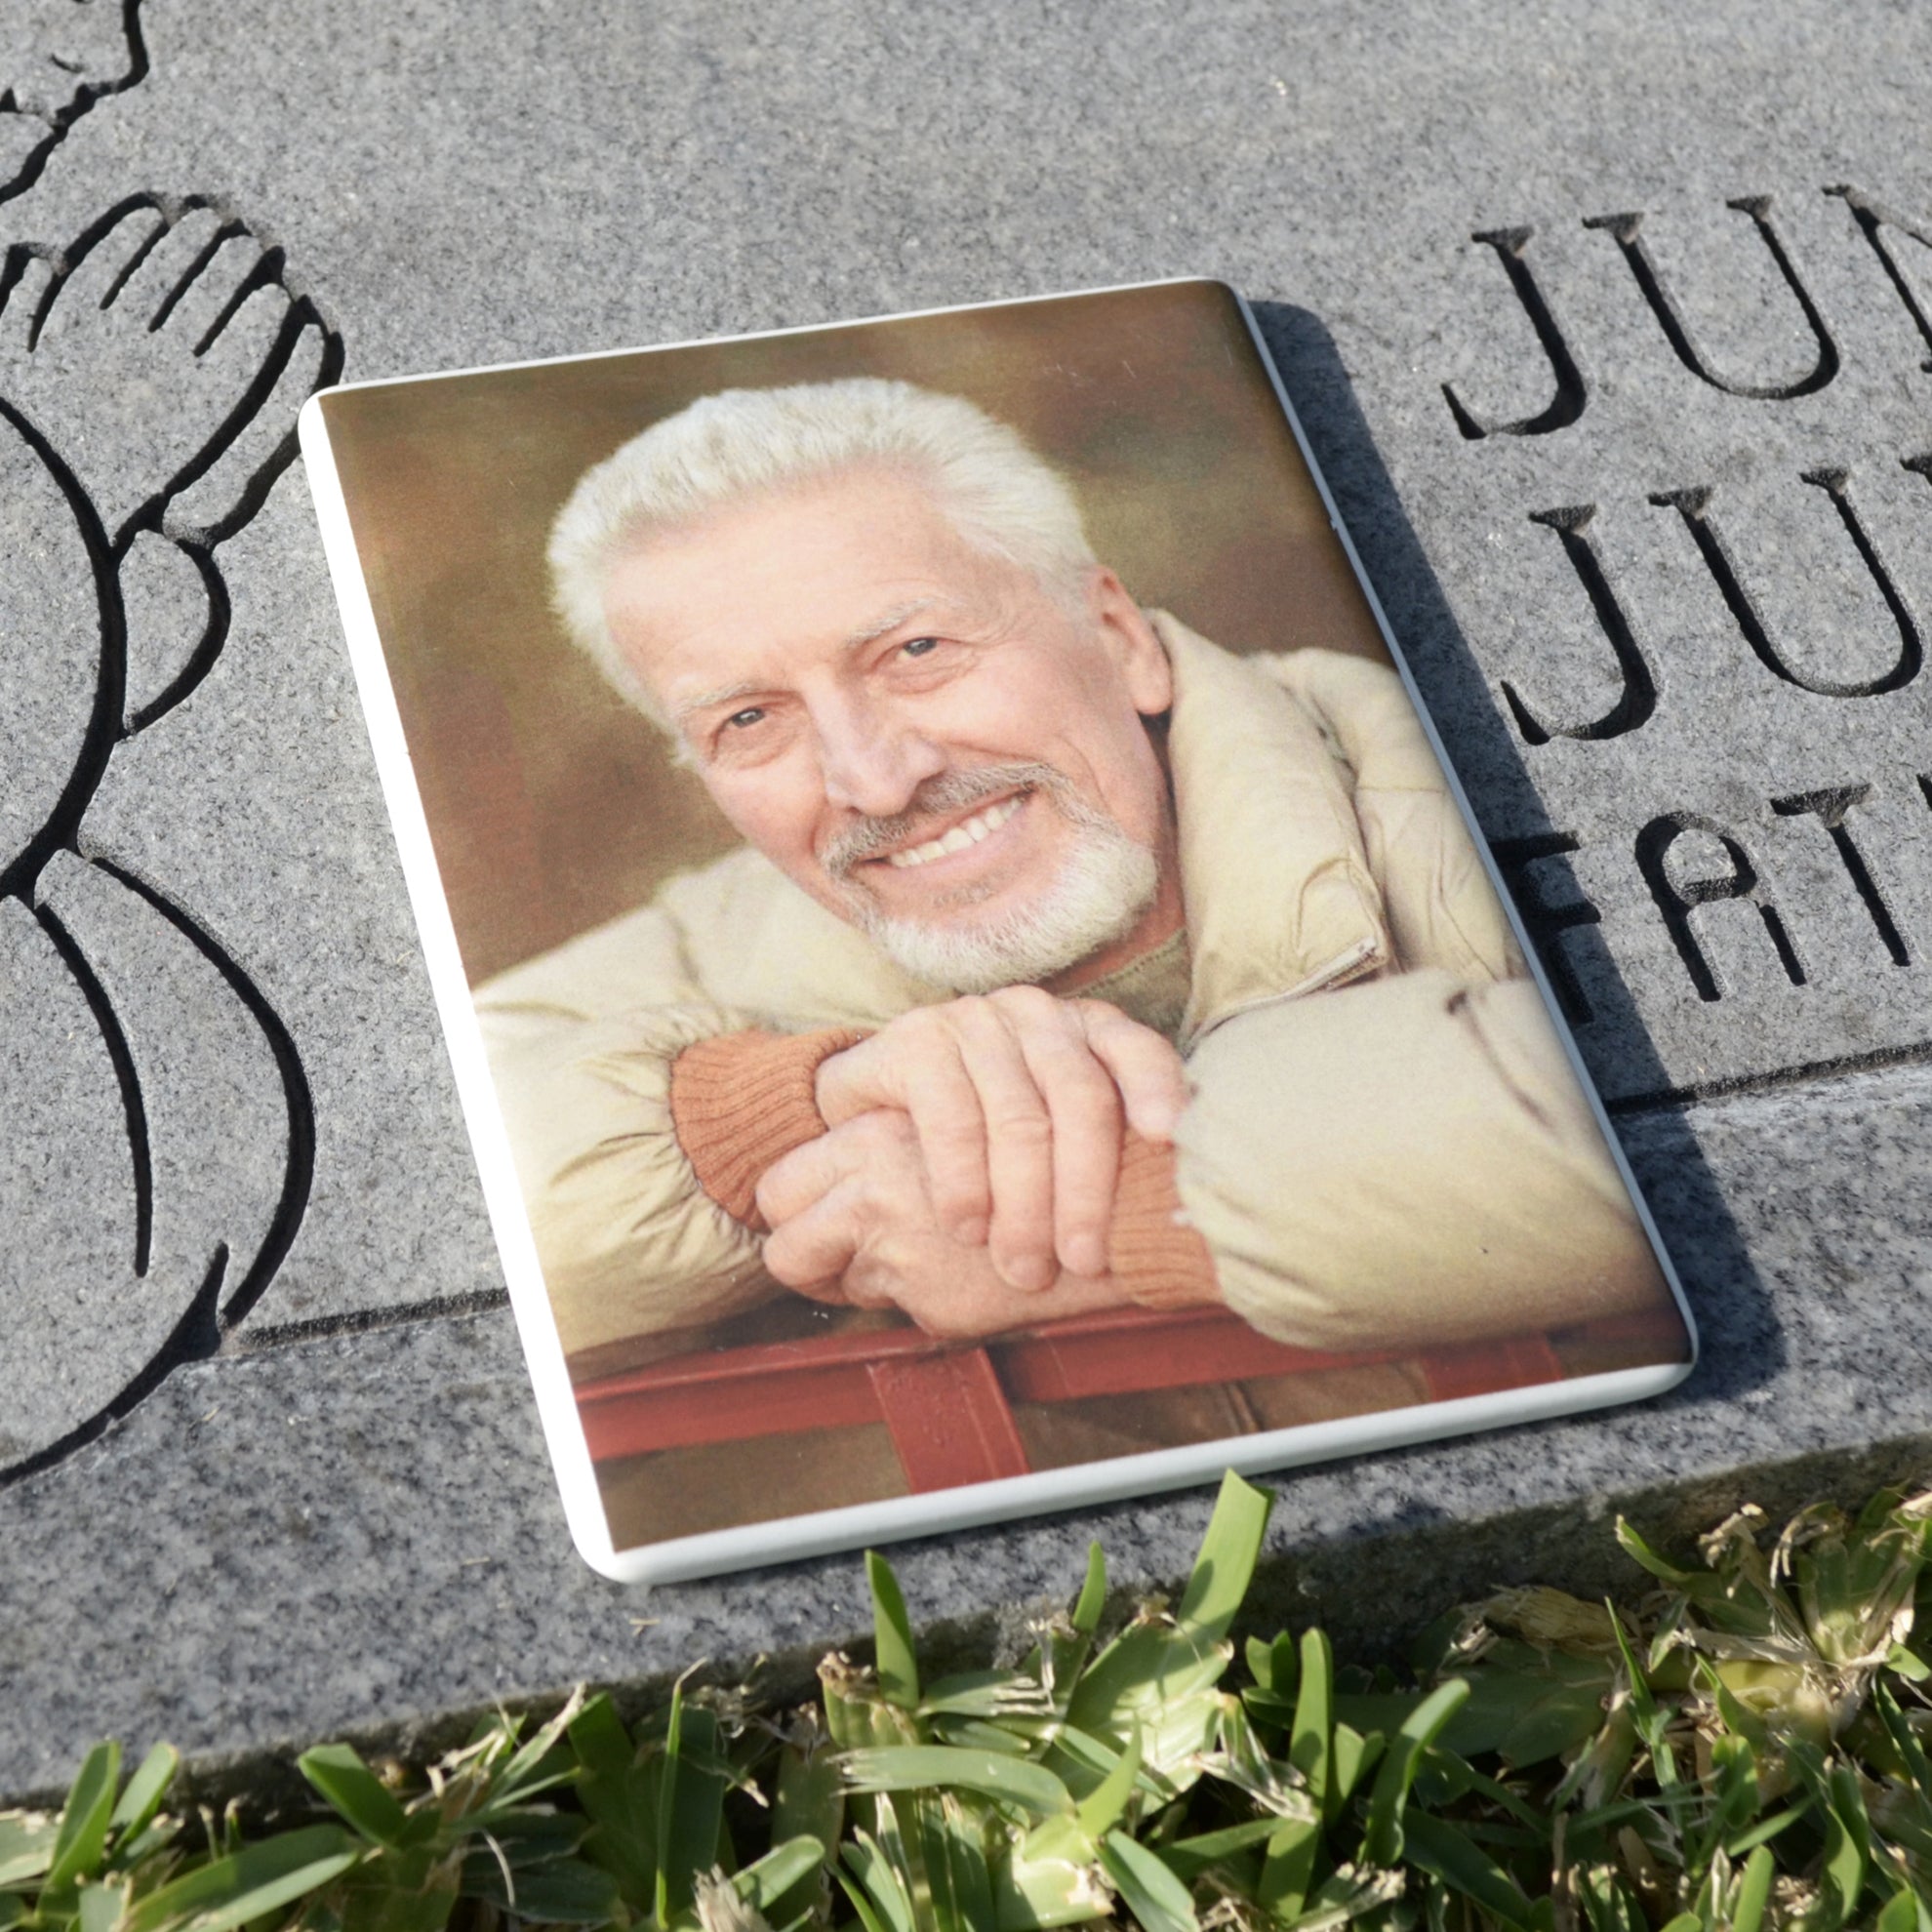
[553, 806]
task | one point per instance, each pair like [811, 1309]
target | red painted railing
[949, 1404]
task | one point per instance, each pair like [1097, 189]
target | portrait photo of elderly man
[968, 963]
[1068, 961]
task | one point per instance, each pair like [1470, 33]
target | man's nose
[872, 762]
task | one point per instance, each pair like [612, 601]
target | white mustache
[948, 791]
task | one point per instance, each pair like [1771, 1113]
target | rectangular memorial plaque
[972, 982]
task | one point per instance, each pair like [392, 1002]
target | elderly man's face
[921, 736]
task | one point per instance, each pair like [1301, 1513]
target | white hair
[999, 495]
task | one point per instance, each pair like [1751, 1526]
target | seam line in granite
[1805, 1074]
[260, 1338]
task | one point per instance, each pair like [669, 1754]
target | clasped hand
[968, 1172]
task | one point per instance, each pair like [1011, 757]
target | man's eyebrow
[890, 621]
[705, 701]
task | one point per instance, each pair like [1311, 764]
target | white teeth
[960, 836]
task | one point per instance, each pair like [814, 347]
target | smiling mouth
[968, 832]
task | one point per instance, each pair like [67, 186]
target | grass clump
[1742, 1751]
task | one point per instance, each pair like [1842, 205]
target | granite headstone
[1613, 330]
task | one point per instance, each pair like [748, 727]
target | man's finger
[1084, 1107]
[791, 1186]
[1150, 1076]
[1019, 1147]
[915, 1065]
[950, 1119]
[817, 1245]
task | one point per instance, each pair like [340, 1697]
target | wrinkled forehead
[789, 577]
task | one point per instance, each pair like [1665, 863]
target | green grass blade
[1754, 1891]
[98, 1908]
[1191, 1856]
[1029, 1893]
[1904, 1740]
[145, 1790]
[982, 1694]
[891, 1905]
[1275, 1665]
[810, 1803]
[1353, 1757]
[1092, 1593]
[26, 1847]
[1847, 1840]
[1445, 1852]
[1382, 1841]
[563, 1891]
[260, 1879]
[1288, 1868]
[598, 1735]
[1106, 1803]
[891, 1630]
[690, 1806]
[84, 1819]
[946, 1843]
[1899, 1914]
[869, 1916]
[913, 1767]
[337, 1772]
[621, 1797]
[1165, 1672]
[1310, 1734]
[1151, 1892]
[1644, 1708]
[1226, 1565]
[1638, 1551]
[271, 1897]
[766, 1881]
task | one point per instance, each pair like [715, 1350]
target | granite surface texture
[1613, 332]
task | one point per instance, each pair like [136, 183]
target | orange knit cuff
[743, 1102]
[1158, 1260]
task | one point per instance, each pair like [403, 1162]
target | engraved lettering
[1567, 403]
[1829, 807]
[1677, 898]
[1694, 506]
[1637, 699]
[1874, 217]
[1627, 231]
[1547, 922]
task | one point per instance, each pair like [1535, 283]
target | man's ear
[1131, 639]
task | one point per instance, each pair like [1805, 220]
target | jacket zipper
[1361, 959]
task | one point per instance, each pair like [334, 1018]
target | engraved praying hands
[156, 343]
[149, 378]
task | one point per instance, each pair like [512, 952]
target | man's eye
[918, 647]
[750, 715]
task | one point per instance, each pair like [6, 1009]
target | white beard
[1104, 886]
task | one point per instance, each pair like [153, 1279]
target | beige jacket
[1386, 1146]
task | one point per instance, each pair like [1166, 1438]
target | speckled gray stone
[316, 1571]
[67, 1203]
[327, 1508]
